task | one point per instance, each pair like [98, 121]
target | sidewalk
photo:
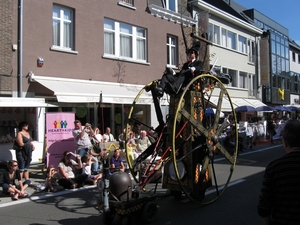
[37, 176]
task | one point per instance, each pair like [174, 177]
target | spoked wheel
[128, 220]
[108, 218]
[148, 212]
[199, 152]
[146, 167]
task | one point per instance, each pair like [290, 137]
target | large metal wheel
[149, 212]
[128, 220]
[200, 143]
[147, 166]
[108, 218]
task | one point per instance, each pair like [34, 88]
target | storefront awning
[240, 102]
[83, 91]
[255, 103]
[226, 107]
[236, 102]
[24, 102]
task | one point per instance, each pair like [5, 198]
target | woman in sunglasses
[9, 186]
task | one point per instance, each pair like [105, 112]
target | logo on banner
[59, 126]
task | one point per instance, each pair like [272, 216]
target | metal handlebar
[201, 39]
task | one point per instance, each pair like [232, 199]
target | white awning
[226, 107]
[76, 90]
[240, 102]
[255, 103]
[24, 102]
[236, 102]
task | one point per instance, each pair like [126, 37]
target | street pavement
[37, 176]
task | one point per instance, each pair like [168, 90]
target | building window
[63, 27]
[298, 58]
[251, 51]
[231, 40]
[124, 40]
[294, 56]
[242, 44]
[214, 33]
[172, 51]
[170, 5]
[224, 39]
[243, 80]
[128, 2]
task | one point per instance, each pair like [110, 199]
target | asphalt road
[237, 206]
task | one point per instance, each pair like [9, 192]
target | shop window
[274, 79]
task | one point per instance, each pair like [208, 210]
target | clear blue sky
[284, 12]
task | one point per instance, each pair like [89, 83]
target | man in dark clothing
[271, 129]
[279, 200]
[175, 80]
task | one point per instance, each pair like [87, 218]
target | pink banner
[59, 136]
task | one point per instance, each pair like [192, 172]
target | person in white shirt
[108, 137]
[98, 136]
[142, 144]
[81, 136]
[68, 179]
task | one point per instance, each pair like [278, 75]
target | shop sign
[59, 138]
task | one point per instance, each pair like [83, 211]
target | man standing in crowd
[142, 143]
[279, 200]
[108, 137]
[82, 135]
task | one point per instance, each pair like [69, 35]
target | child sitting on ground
[52, 178]
[87, 161]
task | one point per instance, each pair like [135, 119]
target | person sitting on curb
[87, 161]
[51, 184]
[65, 170]
[116, 163]
[9, 185]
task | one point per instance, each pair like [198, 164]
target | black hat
[195, 48]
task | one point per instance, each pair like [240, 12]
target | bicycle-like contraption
[187, 153]
[188, 150]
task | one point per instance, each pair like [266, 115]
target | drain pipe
[20, 46]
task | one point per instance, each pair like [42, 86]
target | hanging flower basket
[81, 112]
